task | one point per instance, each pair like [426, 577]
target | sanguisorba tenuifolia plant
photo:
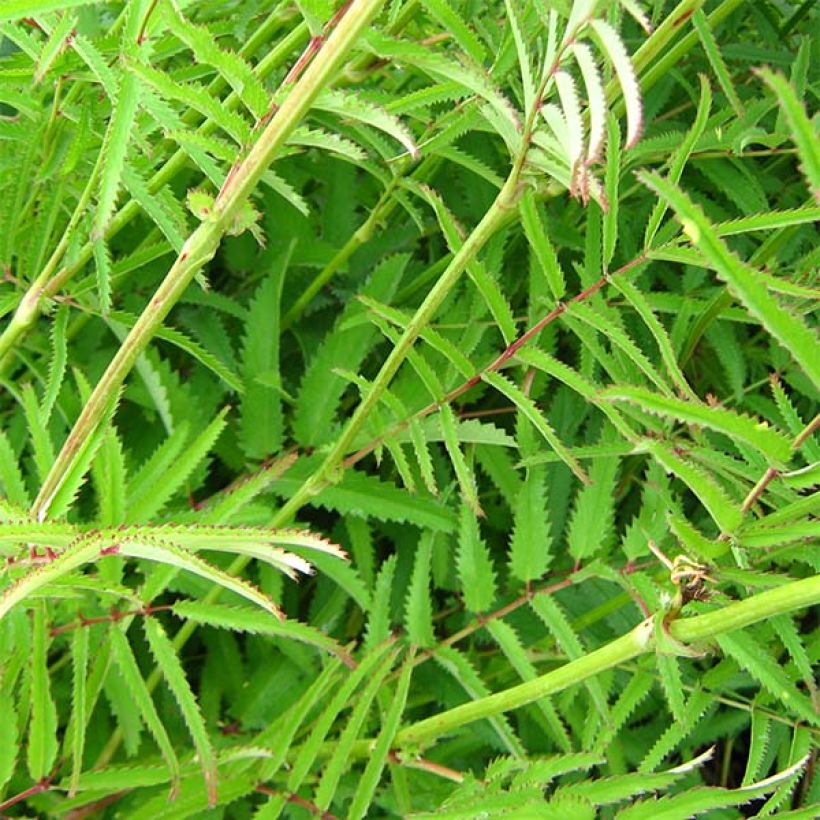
[498, 315]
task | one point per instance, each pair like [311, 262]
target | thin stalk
[639, 641]
[485, 229]
[356, 240]
[201, 245]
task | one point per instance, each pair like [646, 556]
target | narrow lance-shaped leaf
[803, 131]
[378, 757]
[475, 567]
[9, 737]
[527, 406]
[79, 717]
[131, 674]
[614, 48]
[57, 365]
[42, 732]
[724, 512]
[541, 245]
[772, 443]
[54, 45]
[681, 157]
[173, 556]
[789, 329]
[571, 107]
[418, 614]
[339, 759]
[531, 541]
[353, 107]
[464, 475]
[524, 61]
[115, 146]
[596, 100]
[168, 662]
[710, 46]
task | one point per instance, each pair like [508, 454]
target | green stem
[639, 641]
[201, 245]
[491, 221]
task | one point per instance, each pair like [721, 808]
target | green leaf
[540, 243]
[57, 365]
[366, 496]
[147, 499]
[256, 622]
[10, 475]
[710, 46]
[772, 443]
[175, 557]
[261, 407]
[527, 406]
[464, 475]
[378, 618]
[115, 146]
[531, 541]
[758, 662]
[383, 653]
[79, 716]
[171, 667]
[42, 733]
[131, 674]
[515, 652]
[724, 512]
[418, 609]
[378, 757]
[9, 738]
[340, 759]
[444, 14]
[741, 278]
[680, 157]
[591, 529]
[804, 133]
[14, 9]
[475, 567]
[230, 65]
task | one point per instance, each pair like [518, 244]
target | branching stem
[201, 245]
[640, 640]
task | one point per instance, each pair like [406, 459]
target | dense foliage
[496, 315]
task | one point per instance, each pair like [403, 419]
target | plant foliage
[492, 322]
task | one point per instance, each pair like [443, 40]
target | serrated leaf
[169, 664]
[79, 716]
[596, 100]
[475, 567]
[131, 674]
[804, 133]
[149, 498]
[612, 45]
[366, 787]
[354, 107]
[418, 608]
[527, 406]
[743, 280]
[42, 732]
[115, 147]
[255, 621]
[531, 541]
[772, 443]
[261, 408]
[166, 553]
[725, 513]
[591, 528]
